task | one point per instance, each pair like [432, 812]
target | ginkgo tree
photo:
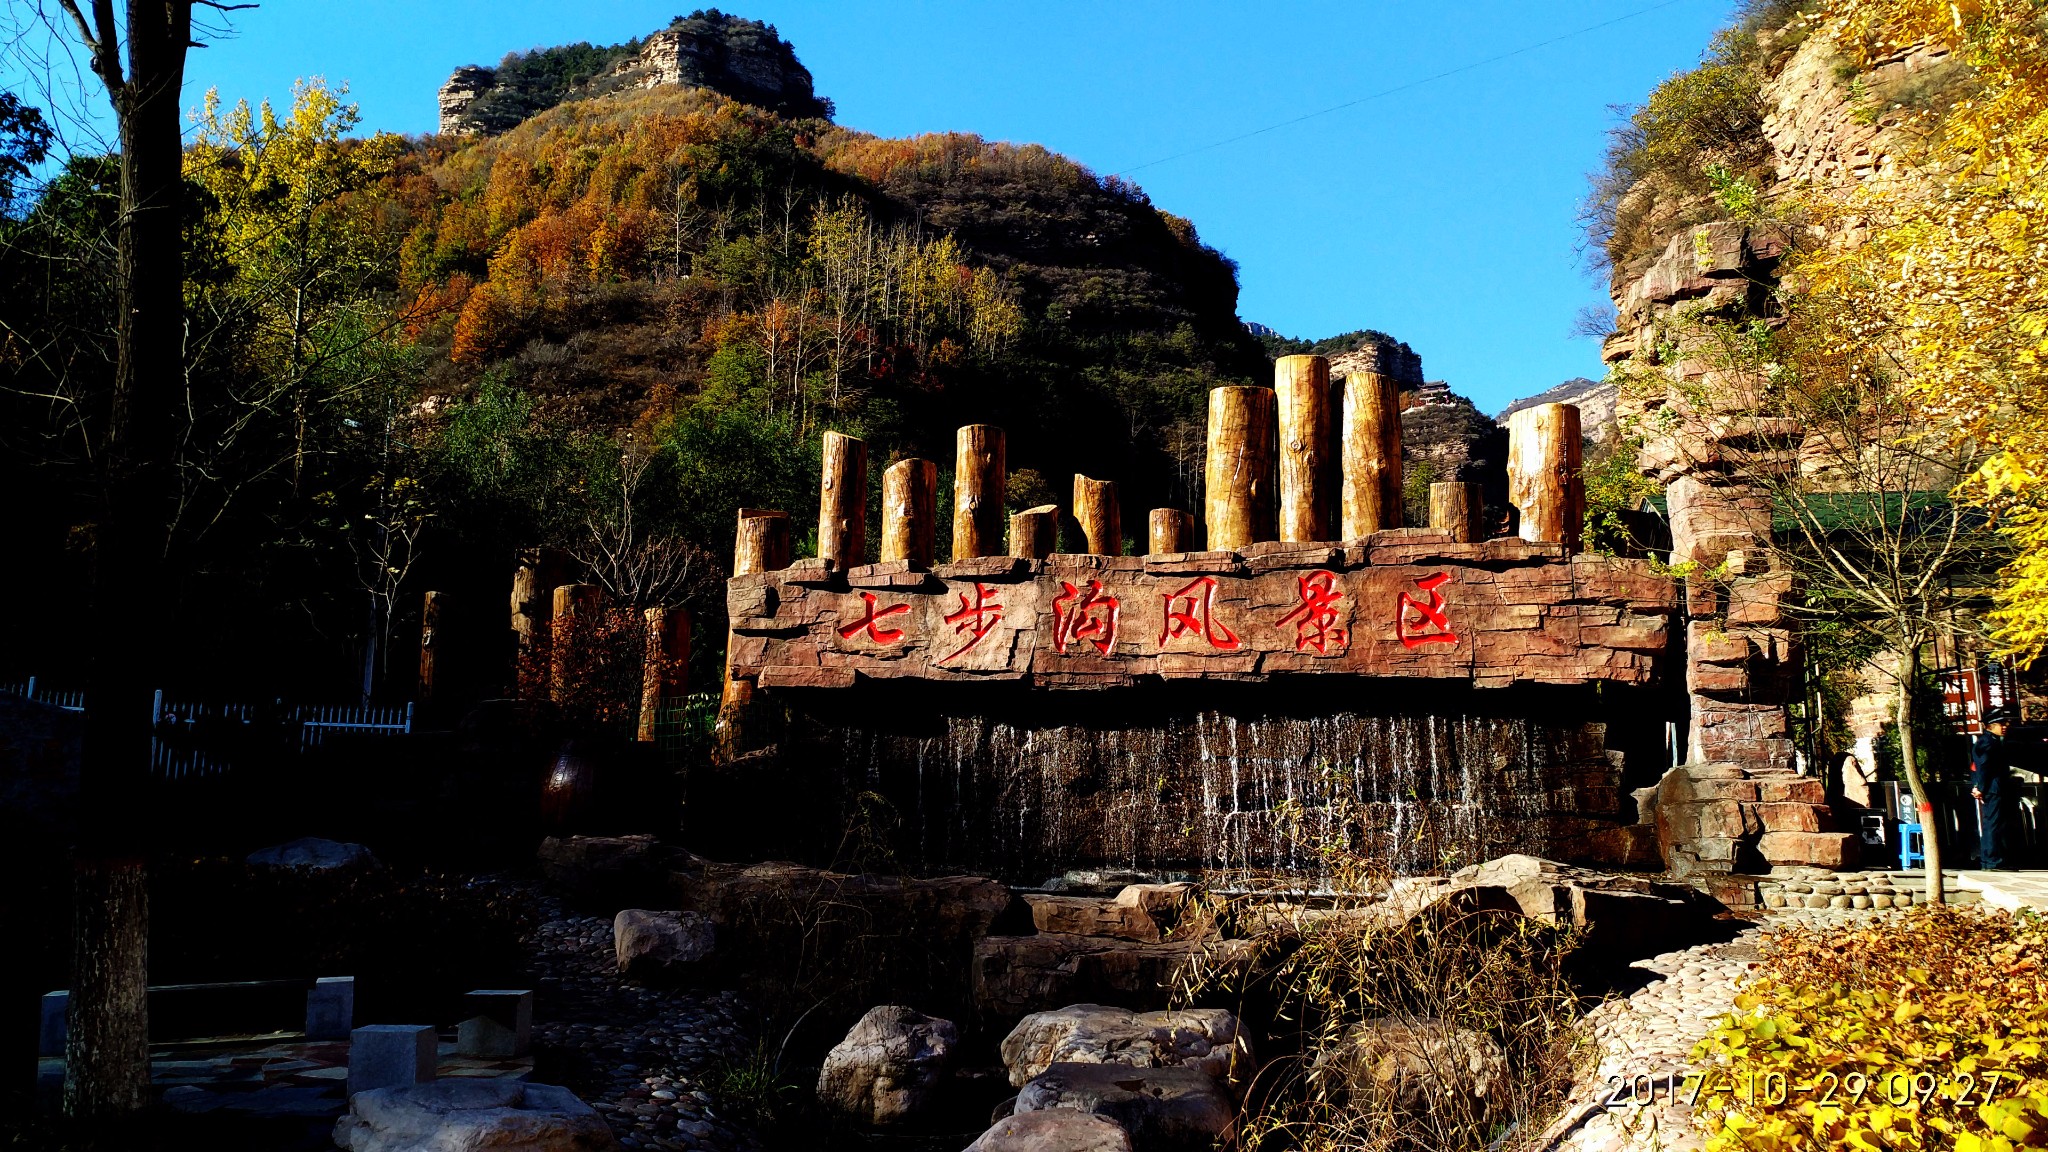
[1948, 272]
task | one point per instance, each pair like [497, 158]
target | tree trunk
[843, 502]
[1100, 517]
[1369, 451]
[1035, 532]
[910, 501]
[1172, 530]
[107, 1054]
[1238, 487]
[1923, 804]
[1302, 387]
[979, 473]
[1454, 509]
[1544, 480]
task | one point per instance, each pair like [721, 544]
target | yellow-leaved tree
[1949, 270]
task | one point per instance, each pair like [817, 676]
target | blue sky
[1444, 214]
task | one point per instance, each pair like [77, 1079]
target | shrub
[1905, 1015]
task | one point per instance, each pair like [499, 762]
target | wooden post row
[1371, 451]
[1035, 532]
[1101, 520]
[979, 473]
[664, 670]
[1301, 386]
[1454, 507]
[1238, 488]
[843, 501]
[910, 501]
[1172, 530]
[1544, 480]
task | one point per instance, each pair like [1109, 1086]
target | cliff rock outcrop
[743, 59]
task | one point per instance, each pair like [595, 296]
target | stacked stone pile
[1823, 888]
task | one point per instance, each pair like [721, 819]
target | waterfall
[1241, 797]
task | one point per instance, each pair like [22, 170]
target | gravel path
[1649, 1035]
[647, 1059]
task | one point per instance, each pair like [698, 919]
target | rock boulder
[660, 945]
[314, 855]
[1163, 1109]
[1204, 1038]
[1018, 975]
[1410, 1064]
[458, 1115]
[1054, 1130]
[890, 1065]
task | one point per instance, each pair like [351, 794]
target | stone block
[1017, 975]
[1164, 1109]
[503, 1115]
[1054, 1130]
[1717, 679]
[390, 1056]
[1722, 818]
[1205, 1038]
[1822, 849]
[1726, 790]
[331, 1008]
[1791, 817]
[891, 1067]
[499, 1023]
[1793, 790]
[55, 1024]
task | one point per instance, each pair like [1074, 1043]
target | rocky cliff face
[1742, 651]
[743, 59]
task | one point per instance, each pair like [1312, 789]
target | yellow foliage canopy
[1950, 273]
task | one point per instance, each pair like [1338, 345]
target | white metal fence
[195, 737]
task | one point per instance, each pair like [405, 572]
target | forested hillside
[604, 329]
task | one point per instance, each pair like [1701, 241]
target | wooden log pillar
[430, 624]
[761, 543]
[1544, 481]
[1301, 387]
[1454, 507]
[910, 501]
[1035, 532]
[1239, 468]
[843, 502]
[1171, 530]
[570, 600]
[980, 471]
[1100, 517]
[664, 670]
[1370, 452]
[540, 571]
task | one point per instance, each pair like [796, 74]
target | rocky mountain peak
[744, 59]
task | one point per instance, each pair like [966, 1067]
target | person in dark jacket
[1990, 768]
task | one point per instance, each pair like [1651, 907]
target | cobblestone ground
[649, 1060]
[1645, 1039]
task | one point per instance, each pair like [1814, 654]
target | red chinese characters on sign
[1418, 622]
[1317, 618]
[974, 620]
[870, 622]
[1090, 616]
[1191, 612]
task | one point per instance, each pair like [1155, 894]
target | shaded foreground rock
[1163, 1109]
[661, 945]
[1017, 975]
[1203, 1038]
[458, 1115]
[606, 873]
[314, 854]
[1413, 1064]
[890, 1065]
[1624, 917]
[1055, 1130]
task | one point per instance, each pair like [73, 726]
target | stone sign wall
[1404, 603]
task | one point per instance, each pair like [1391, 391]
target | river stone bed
[647, 1059]
[1650, 1033]
[1821, 888]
